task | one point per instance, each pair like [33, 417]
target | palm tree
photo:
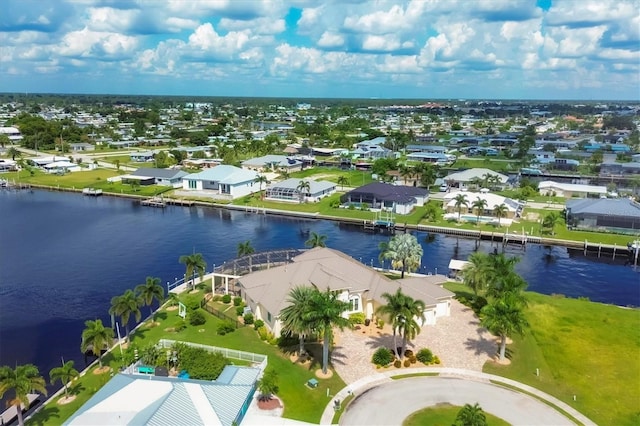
[195, 264]
[150, 290]
[479, 204]
[14, 152]
[342, 181]
[293, 315]
[405, 172]
[96, 337]
[550, 221]
[500, 211]
[65, 374]
[23, 380]
[325, 312]
[503, 279]
[477, 274]
[260, 179]
[245, 248]
[316, 240]
[303, 188]
[403, 250]
[393, 309]
[402, 311]
[503, 317]
[126, 305]
[471, 415]
[460, 200]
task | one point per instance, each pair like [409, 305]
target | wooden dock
[92, 192]
[154, 202]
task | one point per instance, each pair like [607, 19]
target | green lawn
[355, 177]
[301, 402]
[580, 348]
[444, 415]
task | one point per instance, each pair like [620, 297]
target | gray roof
[387, 192]
[279, 160]
[470, 174]
[604, 206]
[325, 267]
[159, 173]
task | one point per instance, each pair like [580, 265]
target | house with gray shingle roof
[400, 199]
[266, 291]
[164, 177]
[611, 214]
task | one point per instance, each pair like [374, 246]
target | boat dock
[92, 192]
[162, 202]
[154, 202]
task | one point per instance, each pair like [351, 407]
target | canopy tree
[96, 337]
[22, 380]
[404, 251]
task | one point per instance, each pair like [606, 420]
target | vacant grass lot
[581, 348]
[301, 402]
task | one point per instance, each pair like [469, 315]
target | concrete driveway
[392, 402]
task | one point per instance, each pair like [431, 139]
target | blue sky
[487, 49]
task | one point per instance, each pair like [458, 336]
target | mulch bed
[270, 404]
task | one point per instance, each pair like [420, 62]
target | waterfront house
[141, 157]
[398, 199]
[224, 181]
[266, 291]
[440, 159]
[473, 177]
[61, 167]
[467, 212]
[273, 163]
[163, 177]
[612, 168]
[288, 190]
[619, 215]
[569, 190]
[81, 146]
[8, 165]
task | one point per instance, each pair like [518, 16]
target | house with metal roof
[469, 177]
[223, 181]
[398, 199]
[266, 291]
[372, 149]
[290, 190]
[568, 190]
[273, 163]
[132, 399]
[609, 214]
[613, 168]
[438, 158]
[163, 177]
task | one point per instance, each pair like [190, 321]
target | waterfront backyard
[573, 343]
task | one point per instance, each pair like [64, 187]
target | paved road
[392, 402]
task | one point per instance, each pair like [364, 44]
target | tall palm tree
[500, 211]
[293, 315]
[195, 264]
[150, 290]
[503, 278]
[471, 415]
[550, 221]
[460, 200]
[342, 181]
[126, 305]
[504, 317]
[65, 374]
[316, 240]
[479, 205]
[260, 179]
[245, 248]
[325, 312]
[23, 380]
[303, 188]
[477, 274]
[96, 337]
[404, 251]
[14, 152]
[392, 310]
[402, 311]
[405, 172]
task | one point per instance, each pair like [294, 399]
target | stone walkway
[458, 340]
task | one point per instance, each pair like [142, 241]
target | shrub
[197, 317]
[263, 333]
[180, 325]
[272, 339]
[288, 340]
[380, 323]
[436, 360]
[407, 363]
[408, 353]
[425, 356]
[258, 323]
[248, 318]
[191, 301]
[226, 298]
[397, 363]
[217, 298]
[202, 364]
[382, 357]
[226, 327]
[237, 301]
[413, 359]
[356, 318]
[239, 311]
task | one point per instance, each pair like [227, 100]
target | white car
[444, 187]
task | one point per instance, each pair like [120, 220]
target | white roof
[224, 174]
[57, 164]
[457, 265]
[470, 174]
[491, 199]
[574, 187]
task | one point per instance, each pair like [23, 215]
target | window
[268, 316]
[355, 304]
[193, 184]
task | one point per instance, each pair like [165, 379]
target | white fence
[259, 359]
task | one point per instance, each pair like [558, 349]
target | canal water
[64, 256]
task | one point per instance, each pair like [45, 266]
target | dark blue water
[64, 256]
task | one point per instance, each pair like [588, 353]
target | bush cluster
[356, 318]
[382, 357]
[226, 298]
[226, 327]
[425, 356]
[197, 317]
[248, 318]
[258, 323]
[201, 364]
[237, 301]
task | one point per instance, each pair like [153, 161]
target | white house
[266, 290]
[227, 181]
[289, 190]
[469, 213]
[469, 177]
[62, 167]
[568, 190]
